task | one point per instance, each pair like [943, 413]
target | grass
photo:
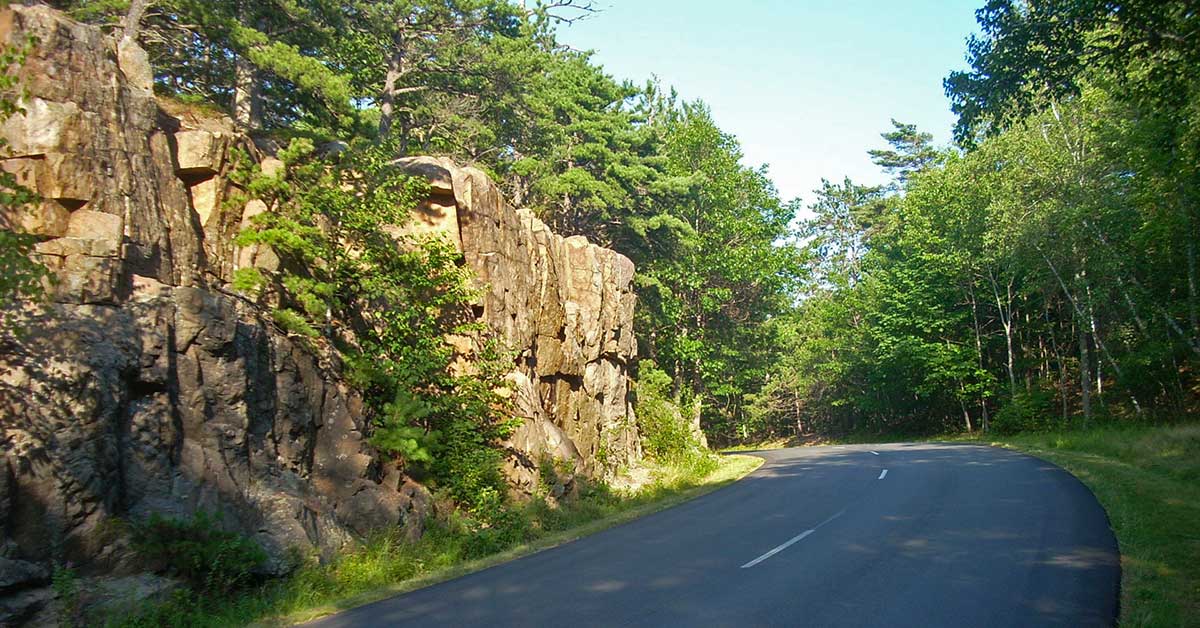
[1148, 479]
[388, 565]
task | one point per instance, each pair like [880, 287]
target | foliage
[20, 276]
[386, 302]
[1031, 411]
[388, 562]
[197, 550]
[294, 323]
[65, 583]
[1044, 276]
[1029, 53]
[666, 434]
[708, 291]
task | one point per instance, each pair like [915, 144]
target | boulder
[199, 153]
[19, 574]
[135, 65]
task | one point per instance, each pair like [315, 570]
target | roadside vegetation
[388, 563]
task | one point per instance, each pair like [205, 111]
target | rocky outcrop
[144, 386]
[147, 385]
[565, 305]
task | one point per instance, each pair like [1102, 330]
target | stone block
[135, 65]
[92, 225]
[43, 127]
[204, 198]
[199, 153]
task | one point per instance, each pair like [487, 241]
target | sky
[806, 86]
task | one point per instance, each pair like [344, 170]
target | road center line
[790, 542]
[883, 474]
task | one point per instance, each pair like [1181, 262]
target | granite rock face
[565, 305]
[147, 385]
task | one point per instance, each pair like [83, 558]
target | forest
[1040, 272]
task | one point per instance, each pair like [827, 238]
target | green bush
[344, 269]
[197, 550]
[1031, 411]
[293, 323]
[506, 526]
[666, 435]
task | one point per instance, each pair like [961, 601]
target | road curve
[884, 535]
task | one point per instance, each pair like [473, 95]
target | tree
[707, 308]
[912, 151]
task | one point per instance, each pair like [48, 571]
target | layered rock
[146, 385]
[564, 304]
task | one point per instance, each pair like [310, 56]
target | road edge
[1045, 456]
[753, 463]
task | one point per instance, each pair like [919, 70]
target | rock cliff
[147, 385]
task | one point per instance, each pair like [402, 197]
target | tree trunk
[1085, 375]
[1091, 311]
[1062, 367]
[133, 20]
[1006, 321]
[247, 110]
[979, 356]
[1083, 318]
[391, 79]
[1193, 316]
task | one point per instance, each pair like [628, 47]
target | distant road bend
[880, 535]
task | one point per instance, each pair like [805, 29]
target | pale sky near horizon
[806, 86]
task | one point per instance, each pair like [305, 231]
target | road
[882, 535]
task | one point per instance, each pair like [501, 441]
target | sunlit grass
[388, 565]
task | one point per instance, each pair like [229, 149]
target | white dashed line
[883, 474]
[790, 542]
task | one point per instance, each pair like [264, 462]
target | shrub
[1026, 412]
[387, 303]
[666, 434]
[293, 323]
[503, 527]
[199, 551]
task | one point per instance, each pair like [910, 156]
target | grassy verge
[387, 565]
[1148, 479]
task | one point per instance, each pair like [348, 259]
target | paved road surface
[912, 535]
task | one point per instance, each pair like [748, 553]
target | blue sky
[806, 86]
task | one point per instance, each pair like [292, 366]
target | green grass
[388, 565]
[1148, 479]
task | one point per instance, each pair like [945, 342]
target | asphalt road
[951, 535]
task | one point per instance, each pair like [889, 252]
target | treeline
[632, 167]
[1043, 273]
